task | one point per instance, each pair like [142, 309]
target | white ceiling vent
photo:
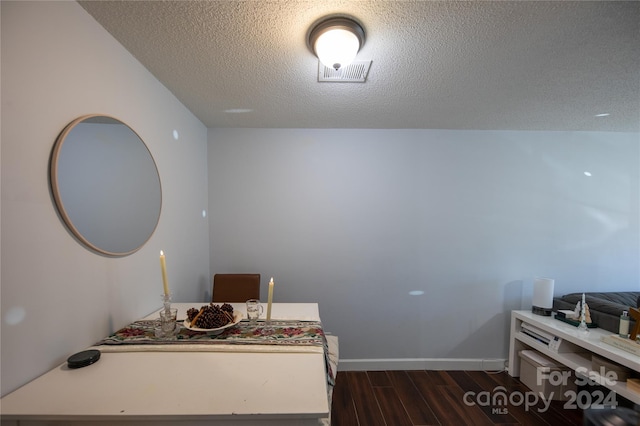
[356, 72]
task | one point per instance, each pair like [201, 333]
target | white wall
[358, 219]
[352, 219]
[58, 297]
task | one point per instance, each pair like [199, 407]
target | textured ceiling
[517, 65]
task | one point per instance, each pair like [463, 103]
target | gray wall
[358, 219]
[58, 297]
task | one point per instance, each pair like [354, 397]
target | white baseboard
[422, 364]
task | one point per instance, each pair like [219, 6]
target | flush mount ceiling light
[336, 41]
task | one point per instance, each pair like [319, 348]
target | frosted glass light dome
[336, 41]
[337, 48]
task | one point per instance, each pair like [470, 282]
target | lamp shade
[336, 41]
[543, 296]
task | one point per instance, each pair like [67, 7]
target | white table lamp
[542, 296]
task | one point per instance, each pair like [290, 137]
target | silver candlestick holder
[267, 328]
[166, 326]
[166, 301]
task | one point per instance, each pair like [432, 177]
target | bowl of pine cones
[211, 318]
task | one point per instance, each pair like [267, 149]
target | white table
[279, 311]
[181, 388]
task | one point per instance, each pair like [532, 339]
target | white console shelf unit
[574, 351]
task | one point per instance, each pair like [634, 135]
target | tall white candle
[163, 267]
[270, 299]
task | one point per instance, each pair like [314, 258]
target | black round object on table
[84, 358]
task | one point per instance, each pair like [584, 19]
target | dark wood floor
[399, 398]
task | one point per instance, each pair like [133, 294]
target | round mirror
[105, 185]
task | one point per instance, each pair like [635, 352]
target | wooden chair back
[235, 287]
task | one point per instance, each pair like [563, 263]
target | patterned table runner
[286, 336]
[307, 333]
